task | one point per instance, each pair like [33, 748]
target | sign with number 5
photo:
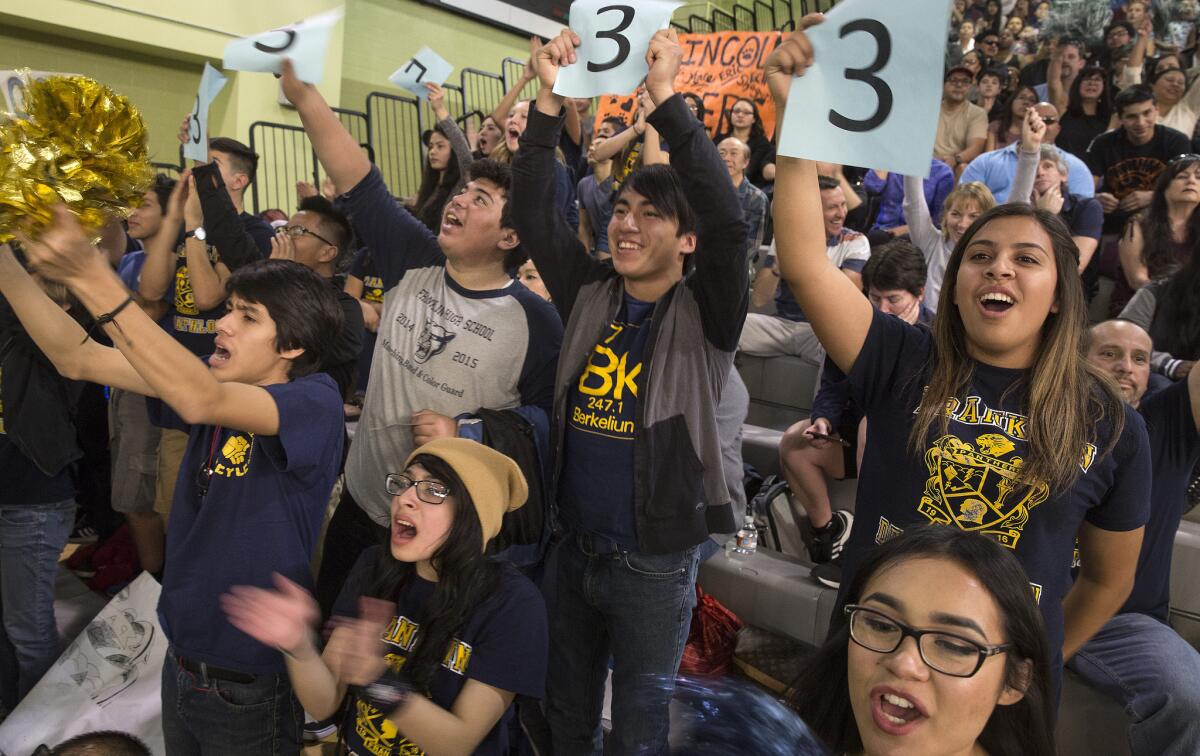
[872, 96]
[614, 36]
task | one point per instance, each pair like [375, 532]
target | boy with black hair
[649, 347]
[318, 237]
[457, 334]
[264, 439]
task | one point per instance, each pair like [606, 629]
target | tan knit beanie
[494, 481]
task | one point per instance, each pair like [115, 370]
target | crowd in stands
[537, 353]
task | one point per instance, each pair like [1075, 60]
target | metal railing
[396, 128]
[170, 169]
[744, 18]
[285, 156]
[481, 90]
[722, 21]
[513, 69]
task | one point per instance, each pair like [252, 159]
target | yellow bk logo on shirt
[234, 460]
[974, 483]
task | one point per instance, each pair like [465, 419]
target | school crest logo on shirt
[975, 487]
[185, 300]
[432, 341]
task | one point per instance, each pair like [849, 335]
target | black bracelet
[107, 318]
[389, 692]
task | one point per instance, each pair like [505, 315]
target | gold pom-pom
[79, 143]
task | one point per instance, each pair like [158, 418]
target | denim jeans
[31, 540]
[202, 716]
[1154, 675]
[636, 608]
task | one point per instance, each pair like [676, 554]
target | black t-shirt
[1125, 167]
[504, 644]
[1174, 451]
[1077, 133]
[964, 478]
[22, 483]
[596, 492]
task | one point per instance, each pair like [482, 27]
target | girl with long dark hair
[974, 679]
[1169, 310]
[1087, 110]
[1160, 241]
[994, 422]
[444, 636]
[1007, 129]
[447, 158]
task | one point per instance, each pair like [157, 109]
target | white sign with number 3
[211, 84]
[304, 43]
[614, 36]
[871, 97]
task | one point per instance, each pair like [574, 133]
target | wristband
[388, 693]
[107, 318]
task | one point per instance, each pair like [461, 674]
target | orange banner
[721, 68]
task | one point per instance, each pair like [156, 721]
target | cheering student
[647, 352]
[264, 443]
[992, 423]
[973, 680]
[446, 638]
[455, 333]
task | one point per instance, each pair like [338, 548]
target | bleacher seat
[781, 389]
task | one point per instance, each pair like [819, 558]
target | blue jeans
[1154, 675]
[202, 716]
[636, 608]
[31, 540]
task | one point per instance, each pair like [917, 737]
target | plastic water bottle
[747, 537]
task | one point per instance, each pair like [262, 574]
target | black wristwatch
[388, 693]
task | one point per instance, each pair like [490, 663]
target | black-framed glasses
[428, 491]
[297, 231]
[1049, 120]
[943, 652]
[990, 41]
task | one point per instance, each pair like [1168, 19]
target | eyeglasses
[1049, 120]
[428, 491]
[990, 41]
[958, 82]
[943, 652]
[1190, 157]
[297, 231]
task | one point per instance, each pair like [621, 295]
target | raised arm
[509, 100]
[207, 278]
[458, 140]
[158, 270]
[338, 151]
[225, 225]
[59, 337]
[561, 258]
[610, 148]
[1055, 91]
[1033, 130]
[916, 212]
[840, 315]
[65, 254]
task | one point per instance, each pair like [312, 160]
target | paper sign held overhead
[871, 97]
[304, 43]
[614, 36]
[211, 83]
[424, 67]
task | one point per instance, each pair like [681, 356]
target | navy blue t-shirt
[596, 492]
[503, 644]
[965, 477]
[1174, 451]
[262, 514]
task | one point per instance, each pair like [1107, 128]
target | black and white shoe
[827, 543]
[829, 574]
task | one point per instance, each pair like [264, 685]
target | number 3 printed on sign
[883, 93]
[614, 37]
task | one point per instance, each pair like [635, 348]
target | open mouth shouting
[895, 713]
[220, 355]
[451, 221]
[995, 303]
[403, 531]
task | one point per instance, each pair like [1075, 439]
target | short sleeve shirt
[966, 476]
[956, 128]
[847, 251]
[503, 644]
[261, 514]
